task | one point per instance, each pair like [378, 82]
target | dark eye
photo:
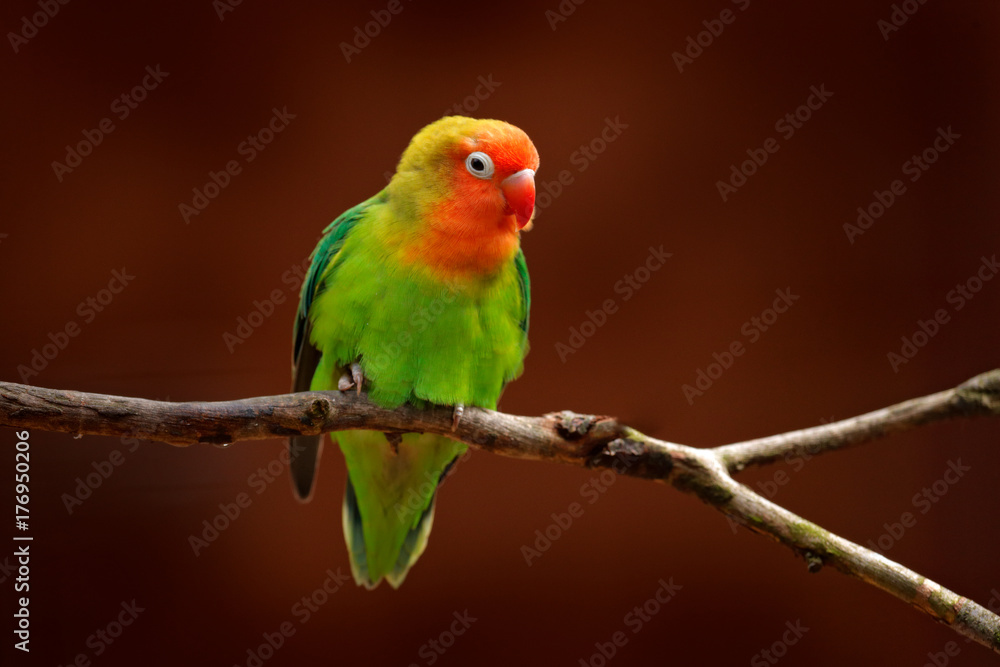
[479, 164]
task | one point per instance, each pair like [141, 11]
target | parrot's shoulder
[329, 245]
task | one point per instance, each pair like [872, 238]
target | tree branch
[567, 437]
[977, 397]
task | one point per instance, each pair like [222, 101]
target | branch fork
[585, 440]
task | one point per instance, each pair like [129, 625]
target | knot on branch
[626, 447]
[317, 412]
[629, 456]
[814, 562]
[620, 454]
[572, 426]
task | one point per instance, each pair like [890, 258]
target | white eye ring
[479, 164]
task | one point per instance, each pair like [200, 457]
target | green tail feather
[389, 500]
[355, 538]
[413, 545]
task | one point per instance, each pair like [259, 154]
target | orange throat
[457, 248]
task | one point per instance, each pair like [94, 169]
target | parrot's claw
[456, 416]
[356, 378]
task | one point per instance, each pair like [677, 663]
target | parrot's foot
[456, 416]
[354, 378]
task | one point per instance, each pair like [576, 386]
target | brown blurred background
[655, 184]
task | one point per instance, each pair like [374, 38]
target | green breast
[419, 338]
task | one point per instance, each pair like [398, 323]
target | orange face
[489, 167]
[494, 173]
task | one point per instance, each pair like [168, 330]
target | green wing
[524, 280]
[304, 450]
[329, 245]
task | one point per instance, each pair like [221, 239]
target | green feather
[389, 502]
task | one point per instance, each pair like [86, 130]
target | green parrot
[421, 296]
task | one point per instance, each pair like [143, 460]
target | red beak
[519, 191]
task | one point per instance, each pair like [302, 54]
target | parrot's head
[470, 176]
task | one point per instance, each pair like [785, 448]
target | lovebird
[419, 295]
